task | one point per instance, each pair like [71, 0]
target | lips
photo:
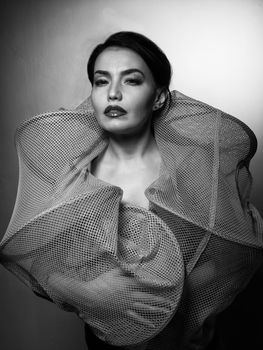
[114, 111]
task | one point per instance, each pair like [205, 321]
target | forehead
[118, 59]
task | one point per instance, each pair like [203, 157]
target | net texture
[185, 258]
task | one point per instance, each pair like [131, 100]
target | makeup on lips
[114, 111]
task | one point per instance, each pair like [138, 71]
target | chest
[132, 178]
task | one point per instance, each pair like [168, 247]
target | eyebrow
[124, 72]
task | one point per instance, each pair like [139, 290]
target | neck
[131, 146]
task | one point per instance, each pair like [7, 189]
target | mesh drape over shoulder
[195, 248]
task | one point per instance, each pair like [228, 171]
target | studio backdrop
[215, 48]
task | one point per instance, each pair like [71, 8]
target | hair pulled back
[153, 56]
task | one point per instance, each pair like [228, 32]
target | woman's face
[124, 91]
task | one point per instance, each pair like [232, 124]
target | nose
[114, 92]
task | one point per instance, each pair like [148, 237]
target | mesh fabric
[191, 252]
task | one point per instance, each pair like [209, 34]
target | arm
[111, 291]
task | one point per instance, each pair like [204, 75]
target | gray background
[44, 49]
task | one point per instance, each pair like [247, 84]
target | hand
[111, 296]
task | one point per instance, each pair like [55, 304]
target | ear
[160, 98]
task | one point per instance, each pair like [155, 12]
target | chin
[118, 127]
[119, 131]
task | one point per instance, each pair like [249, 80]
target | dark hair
[153, 56]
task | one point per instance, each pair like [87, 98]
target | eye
[100, 82]
[133, 81]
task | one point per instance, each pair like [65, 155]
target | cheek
[98, 110]
[145, 104]
[93, 101]
[96, 101]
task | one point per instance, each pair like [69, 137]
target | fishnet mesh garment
[194, 250]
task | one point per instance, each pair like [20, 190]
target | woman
[134, 210]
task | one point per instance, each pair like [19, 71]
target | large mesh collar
[200, 232]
